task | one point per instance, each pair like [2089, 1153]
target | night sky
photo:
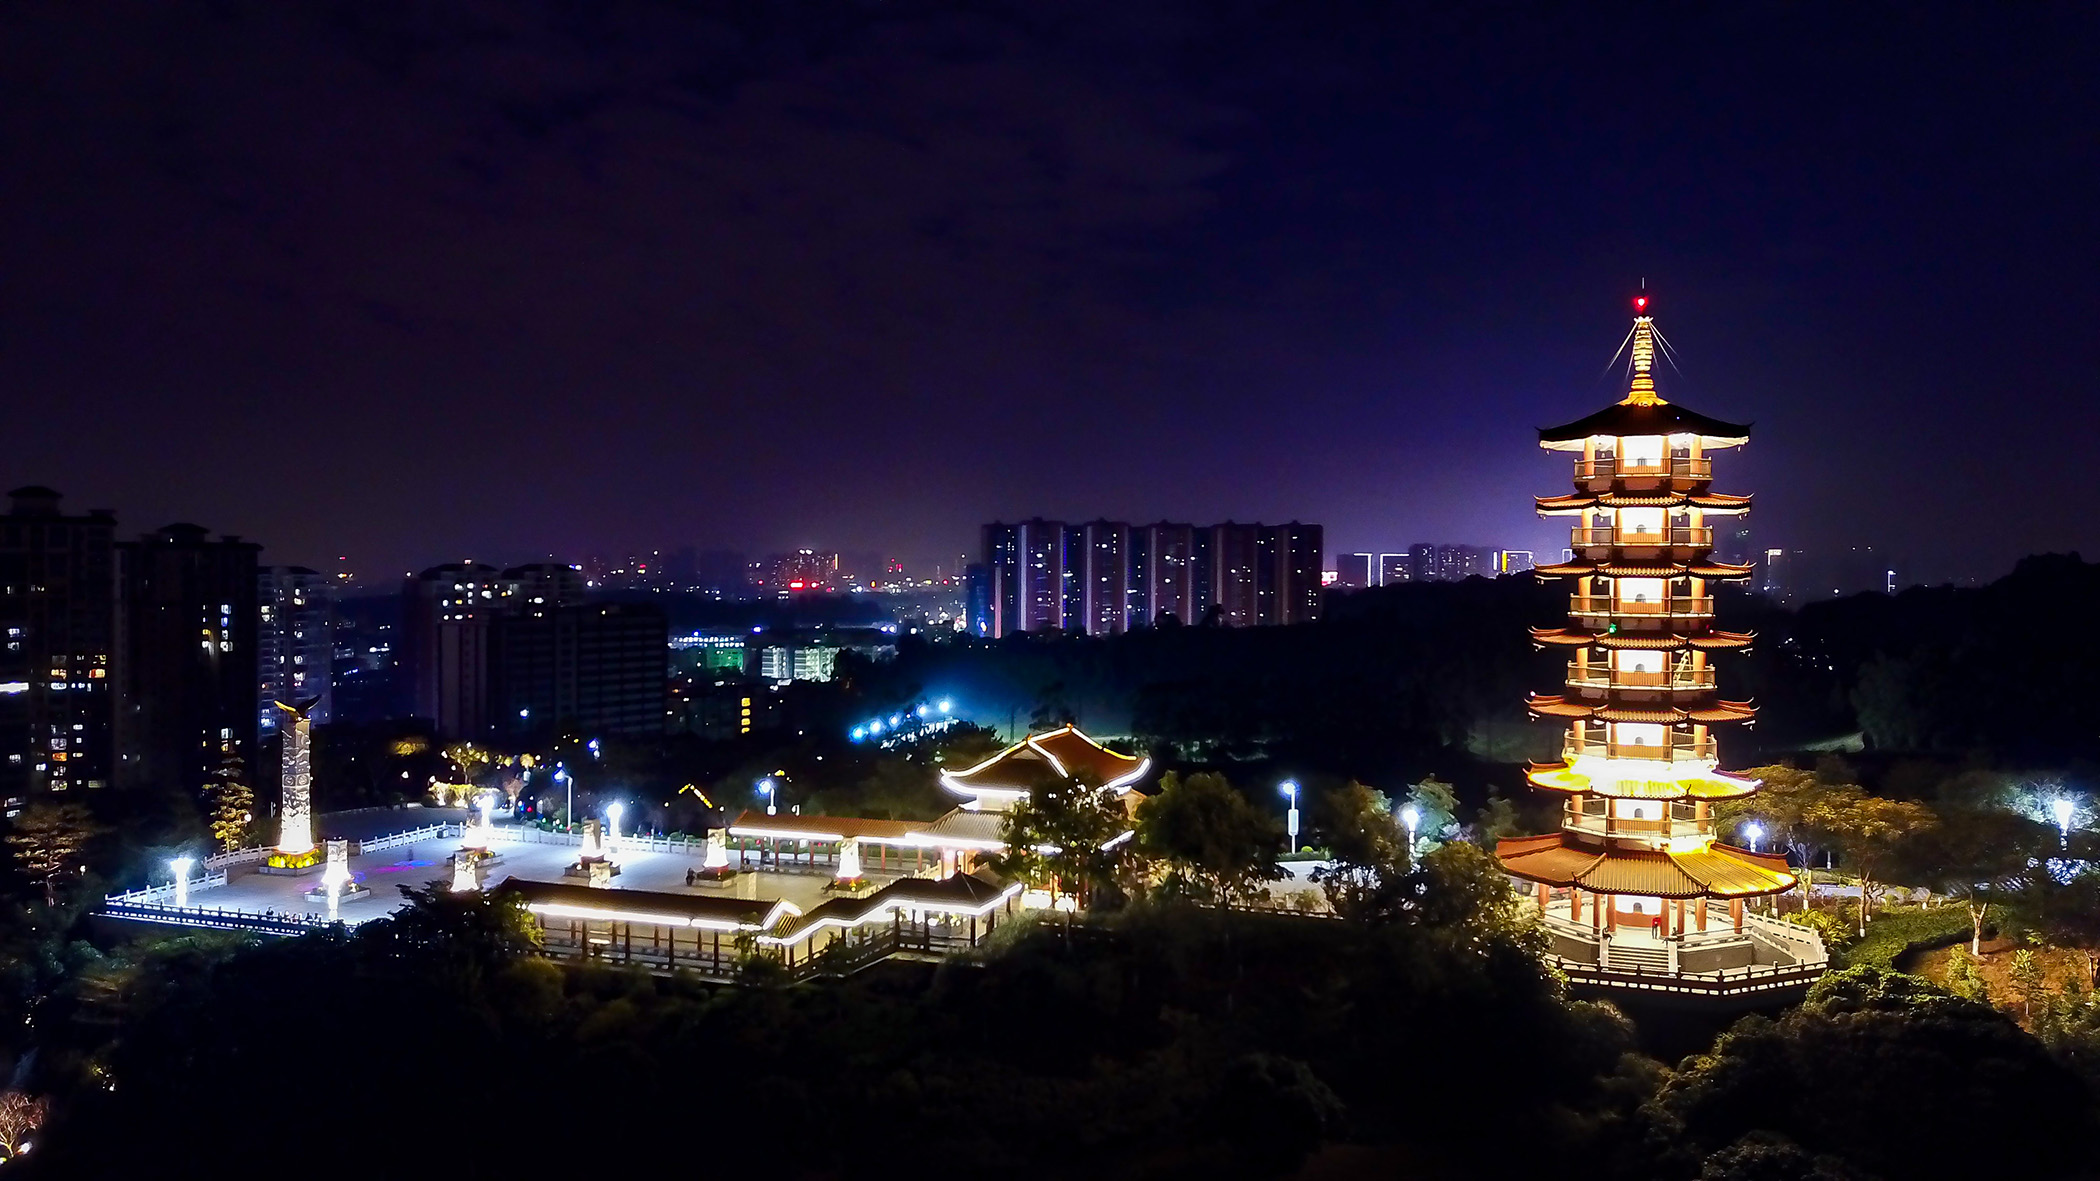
[417, 281]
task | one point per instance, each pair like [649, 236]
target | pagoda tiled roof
[1704, 568]
[1711, 871]
[1644, 419]
[1576, 502]
[1720, 711]
[1643, 641]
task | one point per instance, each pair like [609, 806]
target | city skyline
[1188, 269]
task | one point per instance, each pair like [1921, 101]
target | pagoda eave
[1705, 784]
[1708, 871]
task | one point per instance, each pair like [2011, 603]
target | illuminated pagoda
[1634, 881]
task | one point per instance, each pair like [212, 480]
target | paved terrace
[525, 853]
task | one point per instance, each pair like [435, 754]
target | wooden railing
[1691, 605]
[1676, 469]
[1605, 677]
[1584, 536]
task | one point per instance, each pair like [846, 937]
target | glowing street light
[768, 786]
[2061, 807]
[1289, 787]
[945, 705]
[1755, 832]
[181, 866]
[1411, 816]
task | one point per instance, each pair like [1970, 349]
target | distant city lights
[914, 723]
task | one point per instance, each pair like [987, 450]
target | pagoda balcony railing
[1680, 605]
[1680, 746]
[1585, 536]
[1626, 828]
[1614, 469]
[1597, 676]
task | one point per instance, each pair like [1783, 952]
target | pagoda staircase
[1628, 957]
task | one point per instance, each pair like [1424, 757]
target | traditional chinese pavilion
[1634, 880]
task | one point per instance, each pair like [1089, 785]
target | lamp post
[1411, 816]
[767, 786]
[1755, 832]
[612, 813]
[1289, 787]
[2061, 808]
[568, 812]
[181, 866]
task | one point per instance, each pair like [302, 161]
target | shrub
[1898, 932]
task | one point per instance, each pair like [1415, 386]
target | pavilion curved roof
[1711, 871]
[1064, 753]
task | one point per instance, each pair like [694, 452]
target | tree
[1781, 808]
[47, 839]
[1065, 836]
[1866, 1062]
[1497, 820]
[1436, 813]
[20, 1117]
[1977, 856]
[1366, 850]
[1870, 830]
[2065, 909]
[1964, 981]
[2028, 982]
[232, 804]
[1219, 848]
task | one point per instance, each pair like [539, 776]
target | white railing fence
[151, 895]
[246, 856]
[410, 837]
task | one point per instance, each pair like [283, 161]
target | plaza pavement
[424, 863]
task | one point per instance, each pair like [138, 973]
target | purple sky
[412, 282]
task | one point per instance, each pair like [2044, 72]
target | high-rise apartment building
[1515, 561]
[295, 643]
[538, 587]
[1356, 571]
[1449, 562]
[1109, 576]
[1393, 569]
[190, 675]
[1287, 565]
[1104, 583]
[1028, 575]
[446, 612]
[589, 669]
[58, 667]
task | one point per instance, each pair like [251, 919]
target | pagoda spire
[1642, 392]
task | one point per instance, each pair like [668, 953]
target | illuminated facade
[1635, 881]
[59, 654]
[1106, 577]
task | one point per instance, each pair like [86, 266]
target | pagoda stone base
[291, 871]
[582, 869]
